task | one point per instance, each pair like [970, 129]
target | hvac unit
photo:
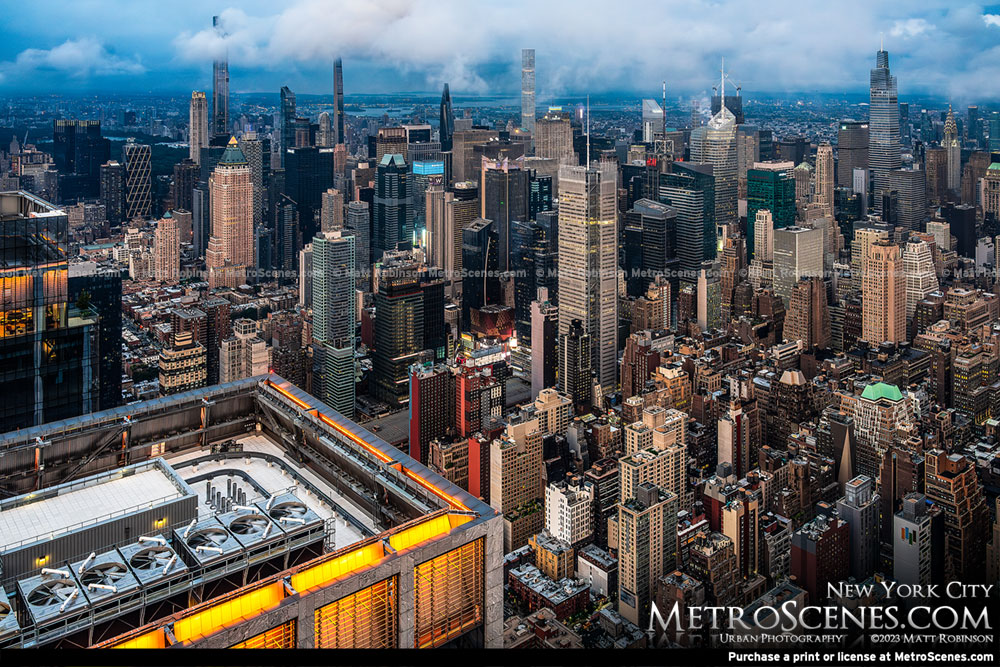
[52, 595]
[104, 576]
[207, 541]
[153, 561]
[8, 619]
[291, 513]
[250, 526]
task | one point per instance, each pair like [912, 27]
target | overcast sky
[946, 48]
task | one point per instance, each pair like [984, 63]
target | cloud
[910, 28]
[78, 58]
[938, 47]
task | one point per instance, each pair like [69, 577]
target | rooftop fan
[105, 574]
[249, 525]
[288, 510]
[51, 593]
[151, 558]
[209, 537]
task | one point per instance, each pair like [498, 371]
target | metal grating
[449, 595]
[282, 636]
[366, 619]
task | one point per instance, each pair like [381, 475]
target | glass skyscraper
[770, 187]
[883, 126]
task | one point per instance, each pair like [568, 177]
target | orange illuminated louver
[229, 612]
[324, 573]
[451, 500]
[154, 639]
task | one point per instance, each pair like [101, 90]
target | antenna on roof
[663, 110]
[588, 131]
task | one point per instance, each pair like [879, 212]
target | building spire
[588, 131]
[723, 87]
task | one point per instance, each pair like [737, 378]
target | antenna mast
[588, 131]
[663, 111]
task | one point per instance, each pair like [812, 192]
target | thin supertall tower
[528, 90]
[220, 89]
[338, 102]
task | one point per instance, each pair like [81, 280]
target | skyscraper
[575, 363]
[113, 192]
[79, 150]
[798, 254]
[334, 319]
[49, 347]
[859, 508]
[504, 199]
[824, 176]
[138, 180]
[554, 137]
[952, 143]
[447, 120]
[339, 136]
[883, 295]
[286, 123]
[883, 126]
[808, 317]
[852, 150]
[918, 269]
[528, 90]
[220, 89]
[770, 186]
[231, 247]
[951, 482]
[910, 186]
[715, 144]
[167, 250]
[690, 190]
[588, 261]
[198, 125]
[393, 220]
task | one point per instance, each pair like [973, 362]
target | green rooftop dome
[233, 155]
[874, 392]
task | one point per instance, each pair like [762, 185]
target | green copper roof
[995, 166]
[233, 154]
[874, 392]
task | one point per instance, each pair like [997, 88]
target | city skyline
[935, 46]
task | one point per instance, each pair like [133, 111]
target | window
[449, 593]
[282, 636]
[366, 619]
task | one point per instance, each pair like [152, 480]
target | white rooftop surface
[90, 504]
[273, 479]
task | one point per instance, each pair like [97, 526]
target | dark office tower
[308, 174]
[220, 89]
[575, 361]
[103, 288]
[480, 283]
[962, 221]
[253, 149]
[447, 120]
[49, 345]
[883, 126]
[138, 182]
[527, 241]
[952, 484]
[219, 327]
[852, 150]
[658, 223]
[286, 123]
[910, 188]
[690, 190]
[505, 193]
[360, 223]
[733, 102]
[792, 149]
[770, 186]
[288, 239]
[975, 128]
[185, 178]
[393, 223]
[339, 136]
[79, 150]
[539, 195]
[399, 329]
[113, 192]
